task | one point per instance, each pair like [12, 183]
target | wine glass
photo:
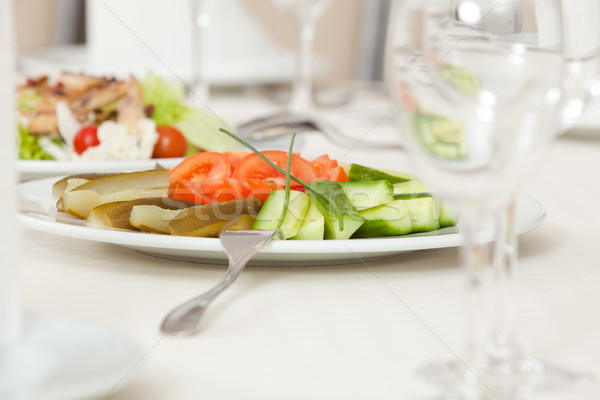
[305, 14]
[201, 18]
[581, 84]
[474, 80]
[299, 115]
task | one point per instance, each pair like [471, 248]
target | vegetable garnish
[322, 197]
[286, 200]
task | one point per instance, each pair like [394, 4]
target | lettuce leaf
[28, 101]
[167, 99]
[29, 147]
[200, 128]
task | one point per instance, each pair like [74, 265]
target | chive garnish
[288, 172]
[322, 196]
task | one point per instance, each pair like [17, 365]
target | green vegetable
[360, 173]
[196, 125]
[389, 219]
[288, 174]
[167, 99]
[29, 146]
[368, 194]
[276, 214]
[199, 129]
[341, 218]
[28, 101]
[313, 226]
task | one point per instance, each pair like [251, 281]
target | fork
[239, 246]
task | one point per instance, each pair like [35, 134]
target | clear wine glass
[201, 18]
[581, 83]
[473, 81]
[305, 13]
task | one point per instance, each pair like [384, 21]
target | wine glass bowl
[305, 14]
[476, 85]
[469, 90]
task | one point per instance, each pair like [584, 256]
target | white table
[346, 332]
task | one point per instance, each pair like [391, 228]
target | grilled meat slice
[74, 85]
[130, 109]
[98, 98]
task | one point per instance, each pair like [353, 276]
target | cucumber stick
[388, 219]
[424, 213]
[350, 218]
[411, 187]
[313, 226]
[360, 173]
[368, 194]
[270, 213]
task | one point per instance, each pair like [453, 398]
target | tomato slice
[235, 157]
[199, 175]
[337, 174]
[253, 167]
[323, 164]
[261, 188]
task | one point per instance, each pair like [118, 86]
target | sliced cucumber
[270, 213]
[424, 213]
[360, 173]
[441, 135]
[313, 226]
[447, 216]
[368, 194]
[411, 187]
[390, 219]
[351, 219]
[407, 196]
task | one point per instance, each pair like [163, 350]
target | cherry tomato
[86, 137]
[170, 143]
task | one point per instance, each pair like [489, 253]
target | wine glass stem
[503, 347]
[200, 23]
[301, 97]
[474, 256]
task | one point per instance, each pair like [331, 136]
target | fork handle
[185, 318]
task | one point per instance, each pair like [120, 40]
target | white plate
[61, 359]
[37, 169]
[38, 212]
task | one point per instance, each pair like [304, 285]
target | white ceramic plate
[37, 169]
[61, 359]
[38, 212]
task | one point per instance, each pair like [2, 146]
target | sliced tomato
[337, 174]
[262, 188]
[323, 164]
[198, 175]
[253, 167]
[235, 157]
[233, 189]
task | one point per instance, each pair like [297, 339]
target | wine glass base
[509, 378]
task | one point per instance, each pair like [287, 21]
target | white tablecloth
[350, 332]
